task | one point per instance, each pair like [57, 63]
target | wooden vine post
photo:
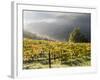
[49, 60]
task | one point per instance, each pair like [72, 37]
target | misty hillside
[35, 36]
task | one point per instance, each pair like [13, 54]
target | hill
[35, 36]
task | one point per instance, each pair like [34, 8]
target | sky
[56, 25]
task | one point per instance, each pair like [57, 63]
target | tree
[77, 36]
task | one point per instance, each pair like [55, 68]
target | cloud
[56, 24]
[42, 20]
[37, 16]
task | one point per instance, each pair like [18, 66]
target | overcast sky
[56, 25]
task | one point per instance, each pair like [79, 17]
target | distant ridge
[35, 36]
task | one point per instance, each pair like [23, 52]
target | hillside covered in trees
[76, 36]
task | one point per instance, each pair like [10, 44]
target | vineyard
[39, 54]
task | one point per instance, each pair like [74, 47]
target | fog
[56, 25]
